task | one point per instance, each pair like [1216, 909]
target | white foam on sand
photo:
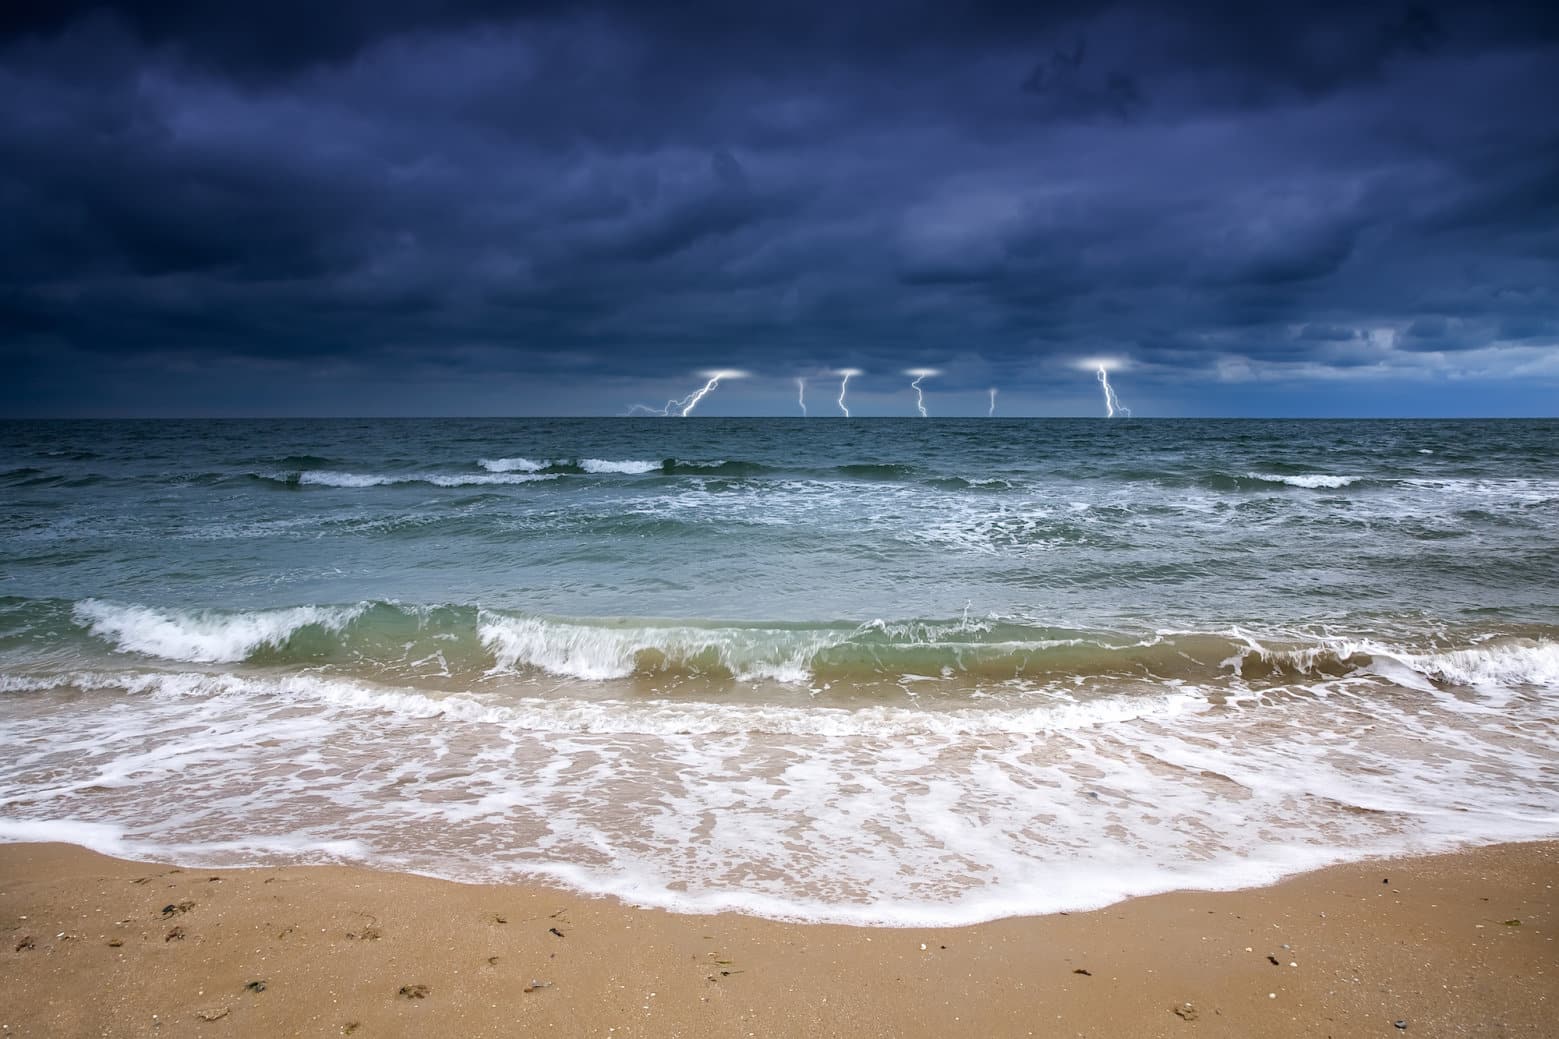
[1027, 800]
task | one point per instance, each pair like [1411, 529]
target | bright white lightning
[801, 394]
[920, 395]
[845, 375]
[691, 401]
[684, 407]
[992, 409]
[1112, 403]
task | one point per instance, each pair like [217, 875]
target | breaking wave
[1309, 481]
[374, 638]
[204, 635]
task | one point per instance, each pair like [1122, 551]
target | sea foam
[889, 816]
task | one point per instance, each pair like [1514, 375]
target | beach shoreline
[1449, 944]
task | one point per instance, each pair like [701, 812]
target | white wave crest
[511, 465]
[598, 466]
[1510, 664]
[1496, 666]
[600, 652]
[325, 478]
[629, 468]
[1309, 481]
[202, 636]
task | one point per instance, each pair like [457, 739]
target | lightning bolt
[844, 385]
[1112, 403]
[684, 406]
[801, 394]
[992, 409]
[691, 400]
[920, 395]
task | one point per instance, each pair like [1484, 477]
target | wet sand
[1449, 945]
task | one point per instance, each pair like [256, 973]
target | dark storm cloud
[556, 190]
[1067, 88]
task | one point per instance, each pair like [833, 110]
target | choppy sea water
[869, 671]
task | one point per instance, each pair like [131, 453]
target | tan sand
[1452, 945]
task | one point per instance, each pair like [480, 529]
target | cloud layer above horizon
[408, 207]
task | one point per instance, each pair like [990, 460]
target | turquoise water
[989, 666]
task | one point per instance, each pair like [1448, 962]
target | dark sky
[396, 207]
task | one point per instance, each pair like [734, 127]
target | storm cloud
[413, 207]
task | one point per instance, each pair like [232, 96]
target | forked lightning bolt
[684, 407]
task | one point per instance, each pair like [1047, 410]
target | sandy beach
[1457, 944]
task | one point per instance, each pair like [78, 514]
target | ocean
[868, 671]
